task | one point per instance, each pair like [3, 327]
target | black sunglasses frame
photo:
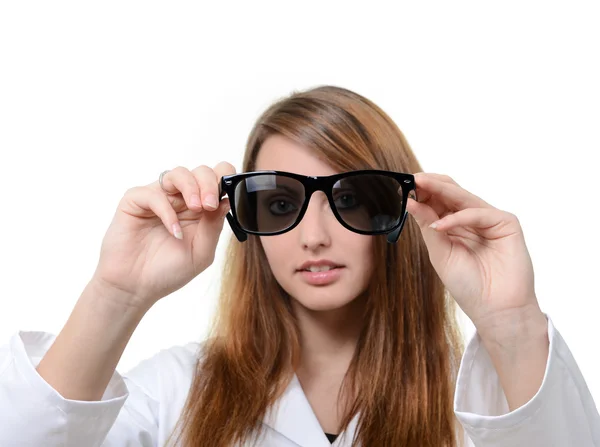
[312, 184]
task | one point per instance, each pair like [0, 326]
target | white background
[98, 97]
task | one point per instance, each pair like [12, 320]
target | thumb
[218, 215]
[210, 225]
[206, 237]
[424, 215]
[437, 242]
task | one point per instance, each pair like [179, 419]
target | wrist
[111, 299]
[83, 358]
[514, 328]
[518, 345]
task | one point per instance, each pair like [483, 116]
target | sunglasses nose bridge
[309, 196]
[313, 184]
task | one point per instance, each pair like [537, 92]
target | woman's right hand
[141, 257]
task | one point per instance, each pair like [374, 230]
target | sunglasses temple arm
[239, 234]
[393, 237]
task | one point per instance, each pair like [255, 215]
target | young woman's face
[318, 236]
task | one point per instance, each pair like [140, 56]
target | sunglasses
[268, 203]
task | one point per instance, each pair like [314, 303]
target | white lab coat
[140, 408]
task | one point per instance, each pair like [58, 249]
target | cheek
[361, 251]
[276, 250]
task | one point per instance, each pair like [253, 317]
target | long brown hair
[403, 372]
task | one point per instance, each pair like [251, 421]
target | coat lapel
[294, 418]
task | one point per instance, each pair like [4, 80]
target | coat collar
[294, 418]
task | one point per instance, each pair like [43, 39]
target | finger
[222, 169]
[440, 208]
[483, 220]
[209, 189]
[151, 202]
[423, 213]
[437, 242]
[181, 180]
[451, 195]
[442, 177]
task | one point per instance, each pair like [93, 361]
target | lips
[322, 278]
[319, 264]
[316, 268]
[324, 271]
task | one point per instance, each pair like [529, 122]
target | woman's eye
[345, 201]
[281, 206]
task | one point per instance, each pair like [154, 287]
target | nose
[312, 229]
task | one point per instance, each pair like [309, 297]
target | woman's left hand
[478, 251]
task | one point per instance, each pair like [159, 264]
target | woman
[336, 317]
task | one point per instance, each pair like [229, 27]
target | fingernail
[177, 231]
[211, 201]
[225, 211]
[434, 225]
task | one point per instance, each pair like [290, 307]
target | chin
[322, 307]
[319, 303]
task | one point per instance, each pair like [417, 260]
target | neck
[328, 338]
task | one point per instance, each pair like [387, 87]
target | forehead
[280, 153]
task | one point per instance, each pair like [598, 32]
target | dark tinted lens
[369, 202]
[268, 203]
